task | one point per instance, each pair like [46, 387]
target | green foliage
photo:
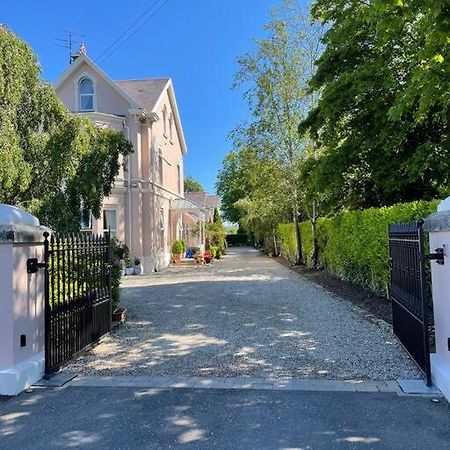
[286, 237]
[381, 124]
[354, 244]
[178, 247]
[216, 217]
[119, 253]
[235, 180]
[192, 185]
[238, 239]
[215, 235]
[57, 165]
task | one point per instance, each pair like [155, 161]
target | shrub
[177, 247]
[287, 240]
[213, 250]
[354, 244]
[119, 252]
[237, 239]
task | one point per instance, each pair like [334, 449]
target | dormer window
[86, 93]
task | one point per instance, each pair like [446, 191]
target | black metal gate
[408, 292]
[77, 294]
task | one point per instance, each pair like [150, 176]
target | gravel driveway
[245, 315]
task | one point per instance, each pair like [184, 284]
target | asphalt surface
[244, 316]
[135, 418]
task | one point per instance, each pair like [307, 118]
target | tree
[216, 217]
[276, 76]
[381, 124]
[192, 185]
[58, 166]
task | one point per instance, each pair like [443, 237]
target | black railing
[77, 294]
[408, 291]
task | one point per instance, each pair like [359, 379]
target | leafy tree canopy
[57, 165]
[381, 123]
[275, 77]
[192, 185]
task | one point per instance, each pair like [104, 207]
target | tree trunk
[275, 246]
[315, 248]
[298, 239]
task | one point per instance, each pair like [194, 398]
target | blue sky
[196, 42]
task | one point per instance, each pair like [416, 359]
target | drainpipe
[127, 129]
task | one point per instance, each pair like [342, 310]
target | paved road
[132, 418]
[245, 315]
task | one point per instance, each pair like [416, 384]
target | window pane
[161, 169]
[86, 225]
[109, 220]
[86, 86]
[86, 102]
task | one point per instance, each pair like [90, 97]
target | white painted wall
[21, 304]
[440, 361]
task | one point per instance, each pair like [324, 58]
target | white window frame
[87, 227]
[162, 233]
[179, 177]
[76, 83]
[113, 230]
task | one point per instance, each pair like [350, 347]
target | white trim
[440, 374]
[18, 377]
[95, 115]
[173, 102]
[76, 85]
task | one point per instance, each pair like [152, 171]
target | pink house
[146, 209]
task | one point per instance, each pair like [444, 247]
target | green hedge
[354, 244]
[237, 239]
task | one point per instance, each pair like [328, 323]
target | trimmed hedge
[237, 239]
[354, 244]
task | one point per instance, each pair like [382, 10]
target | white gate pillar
[22, 327]
[438, 226]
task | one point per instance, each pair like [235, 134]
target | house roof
[181, 204]
[203, 199]
[148, 93]
[145, 92]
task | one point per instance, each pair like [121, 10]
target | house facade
[146, 209]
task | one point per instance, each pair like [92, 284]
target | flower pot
[176, 258]
[119, 315]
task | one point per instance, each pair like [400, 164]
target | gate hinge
[33, 265]
[437, 256]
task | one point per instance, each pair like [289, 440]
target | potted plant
[129, 269]
[137, 266]
[177, 251]
[119, 252]
[119, 314]
[208, 257]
